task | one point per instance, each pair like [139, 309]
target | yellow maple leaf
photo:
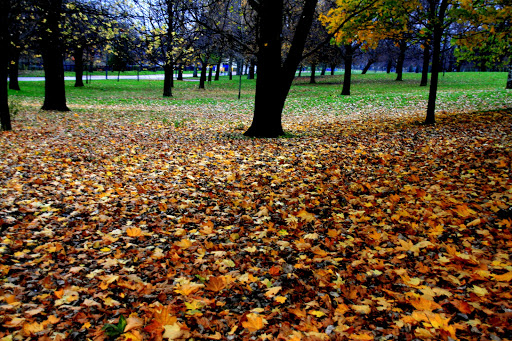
[272, 291]
[306, 216]
[503, 278]
[133, 231]
[172, 332]
[317, 313]
[280, 299]
[361, 309]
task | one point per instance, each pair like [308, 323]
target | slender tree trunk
[400, 61]
[426, 63]
[202, 78]
[5, 117]
[79, 66]
[210, 74]
[368, 65]
[239, 67]
[300, 71]
[509, 77]
[194, 73]
[217, 69]
[230, 68]
[333, 68]
[55, 91]
[347, 76]
[436, 54]
[312, 79]
[168, 79]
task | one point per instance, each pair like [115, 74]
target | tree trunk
[202, 78]
[389, 66]
[400, 61]
[274, 80]
[180, 72]
[5, 117]
[324, 68]
[210, 74]
[230, 68]
[312, 79]
[194, 73]
[333, 68]
[300, 71]
[347, 76]
[14, 69]
[217, 69]
[54, 87]
[426, 63]
[252, 67]
[436, 54]
[509, 77]
[168, 79]
[239, 67]
[368, 65]
[79, 66]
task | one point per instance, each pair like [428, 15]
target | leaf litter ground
[360, 229]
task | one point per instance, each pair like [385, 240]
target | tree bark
[426, 63]
[324, 68]
[251, 73]
[274, 80]
[14, 69]
[333, 68]
[5, 117]
[202, 78]
[369, 63]
[168, 79]
[79, 66]
[400, 61]
[312, 79]
[347, 75]
[217, 70]
[230, 69]
[194, 73]
[300, 71]
[180, 72]
[210, 74]
[54, 87]
[436, 54]
[509, 77]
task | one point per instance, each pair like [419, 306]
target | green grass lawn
[373, 95]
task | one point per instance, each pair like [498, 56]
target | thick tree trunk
[168, 79]
[180, 73]
[312, 79]
[274, 81]
[14, 70]
[202, 78]
[436, 54]
[426, 63]
[252, 70]
[389, 66]
[509, 78]
[324, 69]
[347, 76]
[55, 91]
[369, 63]
[400, 61]
[333, 68]
[79, 67]
[5, 117]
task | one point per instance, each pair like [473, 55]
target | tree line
[277, 37]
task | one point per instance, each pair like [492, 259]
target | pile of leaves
[357, 229]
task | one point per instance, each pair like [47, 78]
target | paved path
[111, 76]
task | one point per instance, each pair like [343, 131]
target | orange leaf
[133, 323]
[216, 284]
[254, 322]
[503, 278]
[164, 316]
[133, 231]
[422, 303]
[463, 306]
